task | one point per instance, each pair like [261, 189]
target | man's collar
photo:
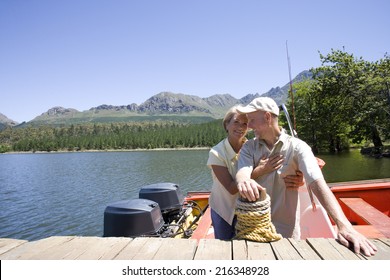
[282, 138]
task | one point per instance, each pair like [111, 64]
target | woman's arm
[224, 177]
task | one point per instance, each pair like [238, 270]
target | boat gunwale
[376, 184]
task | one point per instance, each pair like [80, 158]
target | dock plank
[34, 249]
[385, 240]
[122, 248]
[260, 251]
[116, 248]
[347, 253]
[240, 250]
[70, 250]
[284, 250]
[325, 249]
[304, 249]
[383, 252]
[213, 249]
[105, 248]
[7, 244]
[176, 249]
[141, 248]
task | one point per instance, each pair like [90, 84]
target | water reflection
[351, 165]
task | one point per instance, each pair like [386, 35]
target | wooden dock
[121, 248]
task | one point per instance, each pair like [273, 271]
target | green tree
[349, 98]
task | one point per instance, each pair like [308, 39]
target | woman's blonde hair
[229, 115]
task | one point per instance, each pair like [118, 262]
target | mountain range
[164, 105]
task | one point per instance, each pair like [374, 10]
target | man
[271, 140]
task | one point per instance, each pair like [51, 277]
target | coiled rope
[254, 221]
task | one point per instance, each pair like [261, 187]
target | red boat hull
[366, 204]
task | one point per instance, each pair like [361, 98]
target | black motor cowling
[167, 195]
[131, 218]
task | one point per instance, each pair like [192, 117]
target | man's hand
[250, 189]
[272, 163]
[349, 236]
[267, 165]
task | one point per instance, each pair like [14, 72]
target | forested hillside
[112, 136]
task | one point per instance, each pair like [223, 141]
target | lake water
[43, 195]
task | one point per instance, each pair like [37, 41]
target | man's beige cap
[260, 104]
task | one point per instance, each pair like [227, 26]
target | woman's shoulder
[219, 145]
[218, 148]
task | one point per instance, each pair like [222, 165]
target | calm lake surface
[43, 195]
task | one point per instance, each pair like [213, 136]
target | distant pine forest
[114, 136]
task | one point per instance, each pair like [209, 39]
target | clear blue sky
[84, 53]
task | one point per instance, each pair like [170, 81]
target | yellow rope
[254, 221]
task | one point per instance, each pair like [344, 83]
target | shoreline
[107, 150]
[385, 153]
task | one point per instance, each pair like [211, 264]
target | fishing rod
[292, 130]
[294, 134]
[291, 91]
[292, 126]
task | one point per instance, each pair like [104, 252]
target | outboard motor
[160, 211]
[167, 195]
[131, 218]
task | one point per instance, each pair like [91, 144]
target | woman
[223, 163]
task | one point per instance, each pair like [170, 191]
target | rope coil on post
[254, 221]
